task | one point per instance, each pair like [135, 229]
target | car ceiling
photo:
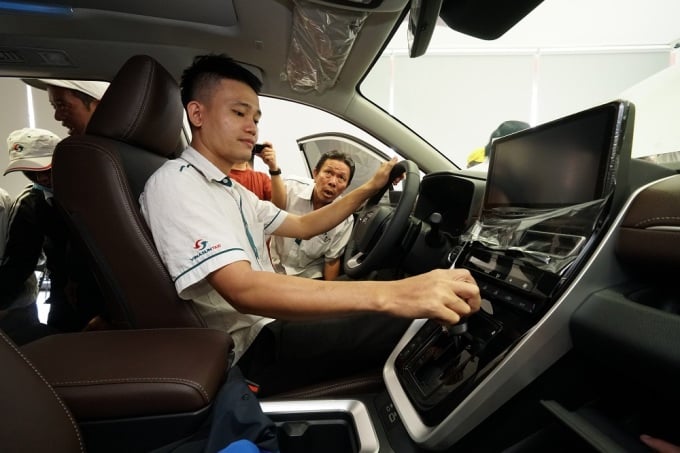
[93, 38]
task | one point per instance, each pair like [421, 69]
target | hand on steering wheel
[378, 228]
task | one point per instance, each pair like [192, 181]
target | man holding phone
[270, 188]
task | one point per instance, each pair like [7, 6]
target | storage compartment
[331, 426]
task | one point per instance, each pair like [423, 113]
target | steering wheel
[378, 227]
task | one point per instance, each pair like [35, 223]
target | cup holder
[331, 426]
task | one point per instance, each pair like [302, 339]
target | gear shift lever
[459, 328]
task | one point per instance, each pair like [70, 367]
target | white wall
[474, 93]
[456, 98]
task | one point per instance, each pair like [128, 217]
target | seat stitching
[655, 219]
[54, 393]
[190, 383]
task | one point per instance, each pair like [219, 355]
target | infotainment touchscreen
[568, 161]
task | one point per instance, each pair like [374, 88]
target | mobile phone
[257, 149]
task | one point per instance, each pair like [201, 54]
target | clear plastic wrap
[550, 239]
[321, 40]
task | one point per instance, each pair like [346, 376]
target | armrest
[128, 373]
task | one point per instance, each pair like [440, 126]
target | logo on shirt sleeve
[203, 248]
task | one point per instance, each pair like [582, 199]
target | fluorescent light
[31, 110]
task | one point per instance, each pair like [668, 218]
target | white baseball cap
[90, 87]
[31, 149]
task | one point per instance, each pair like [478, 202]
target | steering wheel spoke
[378, 228]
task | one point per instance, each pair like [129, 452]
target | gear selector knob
[457, 329]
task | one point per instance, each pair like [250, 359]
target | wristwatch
[275, 172]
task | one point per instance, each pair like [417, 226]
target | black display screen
[561, 163]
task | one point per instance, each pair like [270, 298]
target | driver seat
[134, 130]
[97, 180]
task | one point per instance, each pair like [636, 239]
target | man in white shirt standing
[321, 256]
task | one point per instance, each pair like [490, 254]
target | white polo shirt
[202, 221]
[305, 258]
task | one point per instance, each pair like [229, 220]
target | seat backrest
[34, 418]
[97, 179]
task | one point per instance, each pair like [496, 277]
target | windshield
[556, 61]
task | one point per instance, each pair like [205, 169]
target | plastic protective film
[321, 40]
[550, 239]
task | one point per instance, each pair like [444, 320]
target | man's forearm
[331, 269]
[279, 196]
[325, 218]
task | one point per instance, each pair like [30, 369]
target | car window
[284, 123]
[463, 87]
[366, 158]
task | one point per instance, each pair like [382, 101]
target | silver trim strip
[664, 228]
[368, 439]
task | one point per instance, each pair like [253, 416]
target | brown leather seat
[117, 390]
[34, 417]
[97, 180]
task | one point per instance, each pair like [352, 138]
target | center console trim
[541, 346]
[368, 439]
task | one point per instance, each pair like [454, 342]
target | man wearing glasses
[319, 257]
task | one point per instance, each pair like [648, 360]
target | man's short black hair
[207, 70]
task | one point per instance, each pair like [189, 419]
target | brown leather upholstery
[129, 373]
[649, 235]
[34, 418]
[97, 180]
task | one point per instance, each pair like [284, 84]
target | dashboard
[528, 249]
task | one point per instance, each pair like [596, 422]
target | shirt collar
[203, 165]
[307, 191]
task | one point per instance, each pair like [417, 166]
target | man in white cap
[74, 101]
[35, 227]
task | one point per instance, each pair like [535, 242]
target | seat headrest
[142, 107]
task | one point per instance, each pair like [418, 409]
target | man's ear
[195, 113]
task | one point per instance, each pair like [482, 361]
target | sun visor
[321, 40]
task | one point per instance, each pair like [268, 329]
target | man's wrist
[275, 172]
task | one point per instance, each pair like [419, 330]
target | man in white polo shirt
[320, 256]
[210, 233]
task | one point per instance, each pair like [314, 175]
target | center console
[546, 210]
